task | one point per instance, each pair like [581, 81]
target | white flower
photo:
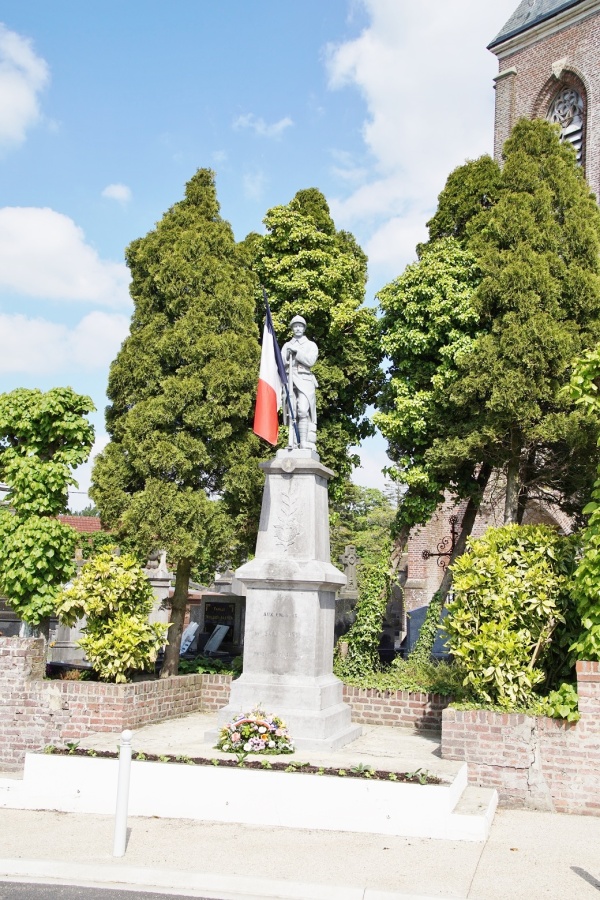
[271, 744]
[262, 729]
[225, 747]
[248, 747]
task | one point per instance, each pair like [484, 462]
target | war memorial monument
[291, 583]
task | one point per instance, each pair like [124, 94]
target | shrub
[586, 584]
[415, 675]
[510, 616]
[115, 597]
[364, 635]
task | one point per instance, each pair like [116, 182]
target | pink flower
[235, 738]
[280, 732]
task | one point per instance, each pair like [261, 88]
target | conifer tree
[538, 306]
[180, 470]
[309, 268]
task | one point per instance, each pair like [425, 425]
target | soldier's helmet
[297, 319]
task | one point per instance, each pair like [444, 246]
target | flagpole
[285, 380]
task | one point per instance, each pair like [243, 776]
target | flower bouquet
[255, 732]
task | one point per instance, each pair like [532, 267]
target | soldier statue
[299, 355]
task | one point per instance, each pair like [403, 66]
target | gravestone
[348, 595]
[414, 621]
[290, 609]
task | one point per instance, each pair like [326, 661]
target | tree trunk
[398, 549]
[178, 604]
[511, 504]
[524, 488]
[466, 529]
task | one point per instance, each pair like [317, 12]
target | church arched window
[567, 109]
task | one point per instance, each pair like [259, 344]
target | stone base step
[449, 811]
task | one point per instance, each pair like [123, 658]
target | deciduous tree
[43, 436]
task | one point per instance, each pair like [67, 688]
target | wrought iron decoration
[446, 545]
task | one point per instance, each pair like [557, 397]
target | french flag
[270, 379]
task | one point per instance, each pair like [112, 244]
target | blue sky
[108, 107]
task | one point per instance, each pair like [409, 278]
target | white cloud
[260, 127]
[426, 82]
[119, 192]
[35, 346]
[44, 254]
[254, 185]
[83, 475]
[23, 75]
[346, 167]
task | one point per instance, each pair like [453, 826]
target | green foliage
[586, 582]
[116, 598]
[365, 632]
[90, 510]
[470, 190]
[309, 268]
[97, 542]
[360, 516]
[414, 675]
[36, 559]
[202, 665]
[428, 321]
[563, 703]
[182, 387]
[421, 652]
[42, 436]
[511, 598]
[481, 332]
[180, 470]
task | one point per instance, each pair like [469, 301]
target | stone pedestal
[290, 609]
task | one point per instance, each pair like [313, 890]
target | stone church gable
[530, 13]
[549, 67]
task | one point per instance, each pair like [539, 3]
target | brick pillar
[588, 689]
[21, 664]
[505, 109]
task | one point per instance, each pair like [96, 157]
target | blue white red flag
[270, 380]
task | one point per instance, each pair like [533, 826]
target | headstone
[414, 621]
[348, 595]
[349, 560]
[160, 579]
[290, 609]
[187, 637]
[216, 639]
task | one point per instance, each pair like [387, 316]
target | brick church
[549, 68]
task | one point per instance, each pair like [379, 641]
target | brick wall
[422, 712]
[35, 712]
[533, 761]
[531, 68]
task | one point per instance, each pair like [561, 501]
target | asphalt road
[12, 890]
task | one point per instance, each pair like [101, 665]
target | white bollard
[120, 841]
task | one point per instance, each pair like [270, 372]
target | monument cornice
[297, 462]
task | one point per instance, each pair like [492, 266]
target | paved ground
[528, 856]
[380, 746]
